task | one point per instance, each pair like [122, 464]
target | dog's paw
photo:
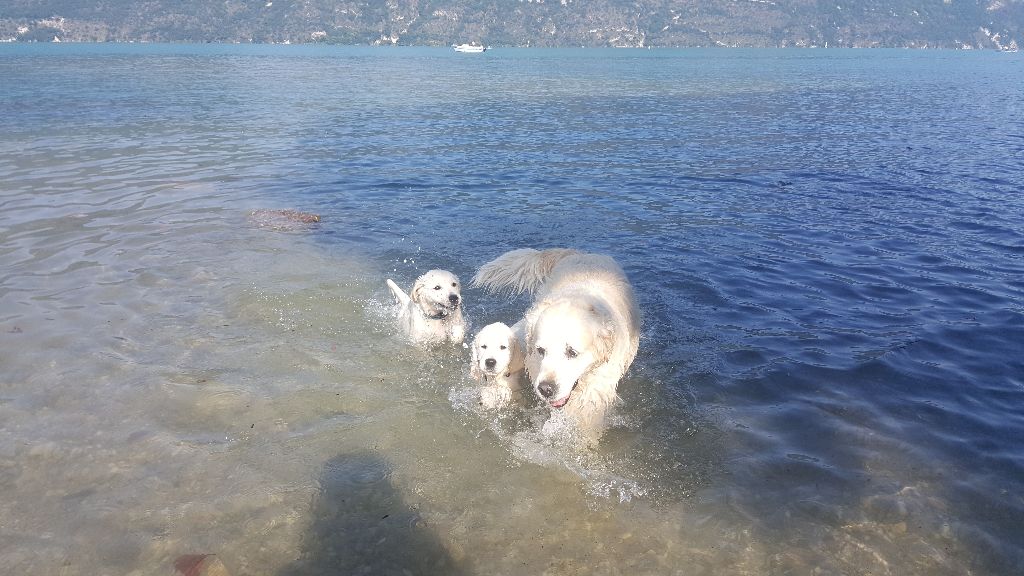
[494, 396]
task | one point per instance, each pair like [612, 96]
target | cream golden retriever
[432, 310]
[582, 330]
[498, 362]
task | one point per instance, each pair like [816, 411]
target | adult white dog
[432, 311]
[498, 362]
[582, 330]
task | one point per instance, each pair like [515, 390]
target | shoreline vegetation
[1011, 48]
[951, 24]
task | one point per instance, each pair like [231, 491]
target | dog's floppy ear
[516, 356]
[514, 348]
[531, 323]
[605, 341]
[474, 368]
[414, 295]
[604, 335]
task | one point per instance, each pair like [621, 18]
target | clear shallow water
[827, 246]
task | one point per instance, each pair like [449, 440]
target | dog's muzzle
[547, 389]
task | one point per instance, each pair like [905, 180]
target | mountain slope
[997, 24]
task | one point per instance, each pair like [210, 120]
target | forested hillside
[994, 24]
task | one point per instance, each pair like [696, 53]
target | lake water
[827, 246]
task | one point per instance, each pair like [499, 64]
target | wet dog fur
[498, 362]
[432, 310]
[582, 330]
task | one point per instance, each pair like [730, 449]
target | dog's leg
[495, 395]
[457, 332]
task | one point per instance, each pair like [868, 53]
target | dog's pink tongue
[559, 403]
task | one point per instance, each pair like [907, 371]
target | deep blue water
[828, 245]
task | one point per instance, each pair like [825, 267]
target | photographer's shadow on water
[360, 524]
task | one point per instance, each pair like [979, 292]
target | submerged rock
[200, 565]
[283, 220]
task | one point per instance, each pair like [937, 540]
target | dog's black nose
[490, 362]
[454, 299]
[546, 388]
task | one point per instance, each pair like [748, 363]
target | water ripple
[826, 248]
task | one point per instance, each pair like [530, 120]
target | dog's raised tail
[519, 271]
[401, 298]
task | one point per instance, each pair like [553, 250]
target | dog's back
[541, 272]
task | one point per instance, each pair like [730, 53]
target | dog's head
[566, 339]
[437, 293]
[495, 351]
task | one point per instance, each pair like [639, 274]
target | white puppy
[582, 331]
[432, 311]
[498, 362]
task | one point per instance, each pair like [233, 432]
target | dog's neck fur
[509, 376]
[450, 327]
[589, 404]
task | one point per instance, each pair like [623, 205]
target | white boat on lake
[469, 48]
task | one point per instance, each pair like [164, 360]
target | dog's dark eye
[503, 346]
[455, 284]
[483, 346]
[570, 353]
[541, 351]
[438, 287]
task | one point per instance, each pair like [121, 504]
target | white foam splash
[552, 440]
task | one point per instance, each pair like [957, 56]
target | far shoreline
[318, 46]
